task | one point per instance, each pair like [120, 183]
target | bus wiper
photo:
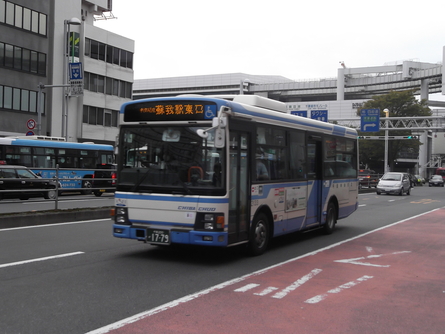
[142, 179]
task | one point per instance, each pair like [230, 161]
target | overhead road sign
[370, 120]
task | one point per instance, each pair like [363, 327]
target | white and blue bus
[229, 170]
[77, 161]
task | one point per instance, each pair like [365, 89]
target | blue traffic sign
[320, 115]
[302, 113]
[370, 120]
[76, 71]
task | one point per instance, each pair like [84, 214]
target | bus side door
[239, 181]
[315, 180]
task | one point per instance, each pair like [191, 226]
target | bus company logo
[187, 208]
[206, 209]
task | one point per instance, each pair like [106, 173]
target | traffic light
[411, 137]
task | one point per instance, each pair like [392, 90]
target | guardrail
[87, 183]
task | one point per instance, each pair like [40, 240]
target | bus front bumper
[203, 238]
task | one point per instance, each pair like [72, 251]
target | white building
[35, 52]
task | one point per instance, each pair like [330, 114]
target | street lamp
[66, 36]
[385, 169]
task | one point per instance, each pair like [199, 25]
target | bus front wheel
[331, 219]
[259, 235]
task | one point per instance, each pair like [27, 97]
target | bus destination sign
[169, 111]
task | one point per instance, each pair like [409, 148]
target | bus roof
[54, 144]
[257, 108]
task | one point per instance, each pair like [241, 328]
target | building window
[94, 51]
[22, 59]
[19, 99]
[99, 116]
[2, 11]
[108, 53]
[23, 18]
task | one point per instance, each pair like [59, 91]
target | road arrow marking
[356, 260]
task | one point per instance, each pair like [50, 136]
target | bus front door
[239, 191]
[315, 182]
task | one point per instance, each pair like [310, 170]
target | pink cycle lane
[391, 280]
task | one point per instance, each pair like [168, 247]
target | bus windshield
[170, 159]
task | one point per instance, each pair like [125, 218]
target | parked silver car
[394, 183]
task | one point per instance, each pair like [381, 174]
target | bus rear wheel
[331, 219]
[86, 184]
[259, 235]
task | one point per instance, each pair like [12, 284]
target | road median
[10, 220]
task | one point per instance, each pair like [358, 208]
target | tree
[399, 104]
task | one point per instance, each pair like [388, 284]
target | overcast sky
[293, 38]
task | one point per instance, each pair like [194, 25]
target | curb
[52, 217]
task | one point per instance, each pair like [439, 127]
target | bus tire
[86, 184]
[331, 219]
[259, 235]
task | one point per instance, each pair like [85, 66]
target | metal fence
[87, 183]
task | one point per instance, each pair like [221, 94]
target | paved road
[76, 278]
[388, 281]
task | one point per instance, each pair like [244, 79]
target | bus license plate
[158, 236]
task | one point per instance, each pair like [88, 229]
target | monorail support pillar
[341, 84]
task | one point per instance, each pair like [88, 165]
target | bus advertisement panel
[216, 171]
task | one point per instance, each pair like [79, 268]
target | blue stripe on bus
[339, 131]
[145, 197]
[60, 144]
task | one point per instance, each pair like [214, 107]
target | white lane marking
[296, 284]
[266, 291]
[247, 287]
[167, 306]
[355, 260]
[342, 287]
[51, 225]
[361, 205]
[369, 249]
[39, 259]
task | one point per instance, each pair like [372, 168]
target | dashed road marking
[339, 289]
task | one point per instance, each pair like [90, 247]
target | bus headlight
[121, 216]
[210, 221]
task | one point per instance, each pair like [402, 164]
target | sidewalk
[391, 280]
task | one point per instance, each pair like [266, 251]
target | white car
[394, 183]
